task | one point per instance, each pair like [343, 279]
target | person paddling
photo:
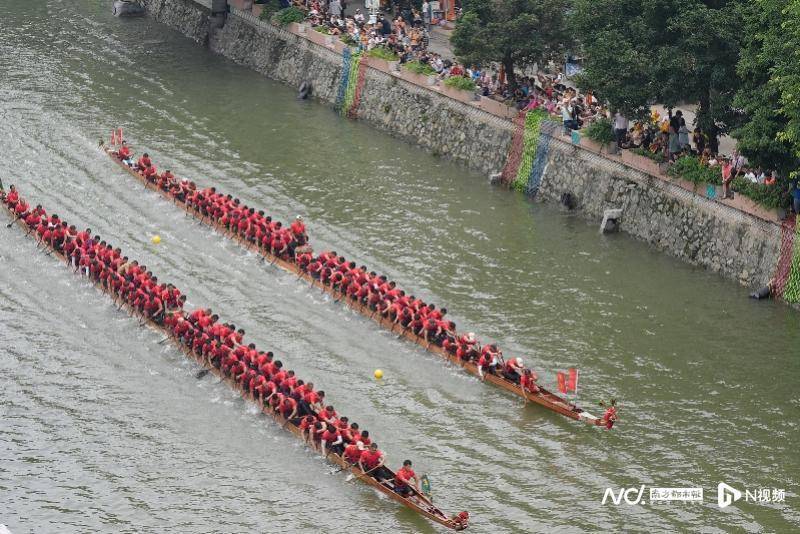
[610, 417]
[371, 461]
[402, 478]
[513, 369]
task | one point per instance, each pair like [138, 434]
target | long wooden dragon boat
[417, 502]
[542, 397]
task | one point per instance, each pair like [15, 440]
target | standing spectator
[426, 14]
[674, 128]
[335, 8]
[795, 188]
[620, 128]
[727, 176]
[699, 139]
[683, 136]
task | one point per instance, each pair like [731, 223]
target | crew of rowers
[258, 373]
[383, 297]
[356, 283]
[253, 226]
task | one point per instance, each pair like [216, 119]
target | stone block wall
[691, 227]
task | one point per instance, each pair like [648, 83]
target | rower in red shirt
[124, 151]
[527, 382]
[372, 461]
[610, 417]
[288, 408]
[487, 362]
[331, 440]
[402, 478]
[352, 453]
[12, 197]
[298, 229]
[306, 425]
[144, 162]
[328, 414]
[513, 369]
[150, 173]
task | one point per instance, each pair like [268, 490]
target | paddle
[202, 373]
[351, 476]
[347, 466]
[18, 217]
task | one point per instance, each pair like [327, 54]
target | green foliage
[420, 68]
[770, 196]
[786, 73]
[460, 82]
[288, 15]
[381, 52]
[758, 97]
[668, 51]
[689, 168]
[322, 29]
[347, 39]
[658, 157]
[601, 131]
[270, 8]
[515, 33]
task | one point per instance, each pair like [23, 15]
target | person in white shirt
[620, 128]
[426, 14]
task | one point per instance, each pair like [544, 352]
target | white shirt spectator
[620, 121]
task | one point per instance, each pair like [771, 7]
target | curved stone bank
[688, 226]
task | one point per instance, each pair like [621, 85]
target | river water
[105, 430]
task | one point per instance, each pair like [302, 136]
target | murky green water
[104, 430]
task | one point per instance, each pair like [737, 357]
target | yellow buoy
[378, 374]
[156, 239]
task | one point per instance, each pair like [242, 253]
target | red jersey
[371, 459]
[403, 475]
[352, 453]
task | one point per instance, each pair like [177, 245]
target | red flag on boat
[562, 382]
[572, 383]
[567, 381]
[113, 137]
[119, 136]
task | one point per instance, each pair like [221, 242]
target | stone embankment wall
[440, 125]
[693, 228]
[688, 226]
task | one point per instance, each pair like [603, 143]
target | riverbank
[691, 227]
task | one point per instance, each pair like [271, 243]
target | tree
[759, 97]
[638, 52]
[786, 75]
[514, 33]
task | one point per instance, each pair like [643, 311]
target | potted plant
[380, 58]
[287, 16]
[417, 73]
[601, 132]
[460, 88]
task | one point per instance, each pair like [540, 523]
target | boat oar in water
[202, 373]
[352, 476]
